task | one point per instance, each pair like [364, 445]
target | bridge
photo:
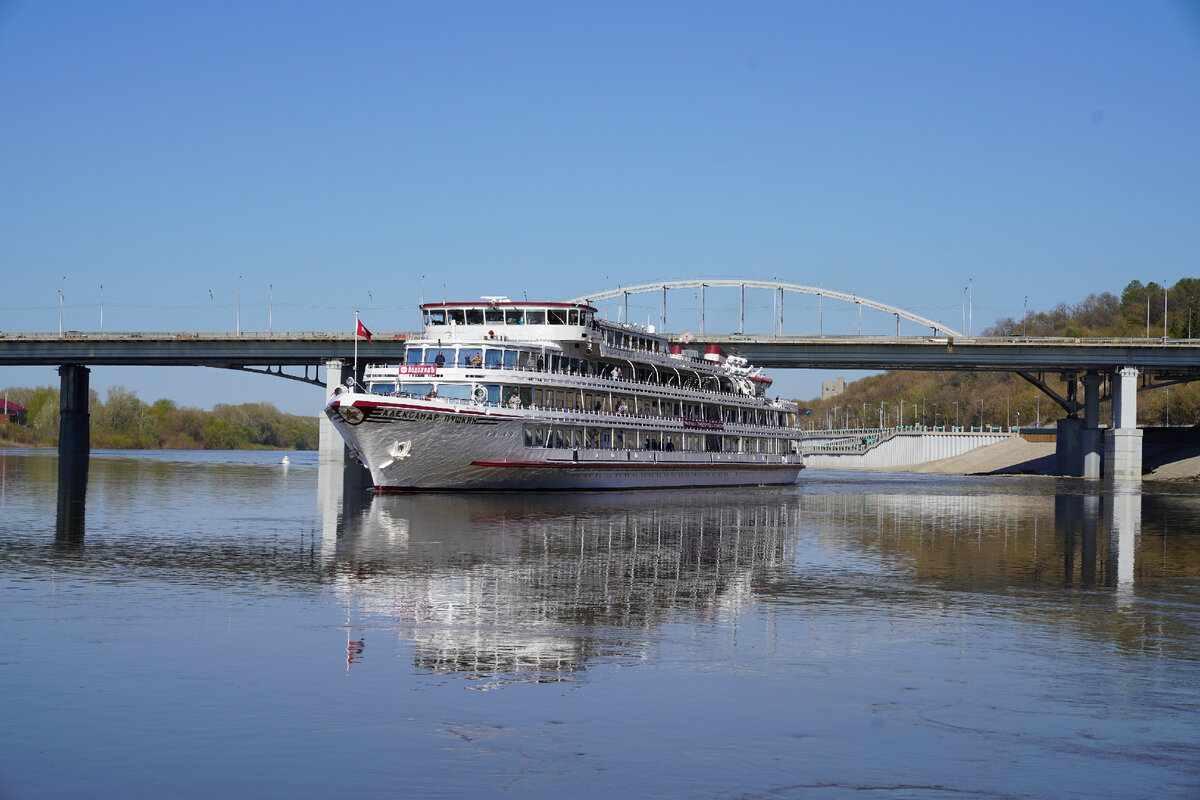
[1116, 368]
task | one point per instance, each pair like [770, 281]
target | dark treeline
[122, 421]
[1002, 399]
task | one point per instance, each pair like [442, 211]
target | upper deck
[500, 318]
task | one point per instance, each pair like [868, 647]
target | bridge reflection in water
[534, 587]
[537, 587]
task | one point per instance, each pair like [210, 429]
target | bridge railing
[193, 335]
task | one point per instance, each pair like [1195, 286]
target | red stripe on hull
[631, 465]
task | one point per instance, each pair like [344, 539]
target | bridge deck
[1173, 357]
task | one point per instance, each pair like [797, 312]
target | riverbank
[1017, 456]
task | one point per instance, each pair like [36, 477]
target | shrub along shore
[123, 421]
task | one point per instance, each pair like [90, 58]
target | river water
[218, 624]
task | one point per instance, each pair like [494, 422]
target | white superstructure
[519, 395]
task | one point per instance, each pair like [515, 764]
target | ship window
[493, 393]
[474, 316]
[514, 316]
[457, 316]
[413, 356]
[557, 316]
[510, 358]
[417, 388]
[456, 390]
[470, 357]
[535, 317]
[511, 397]
[437, 316]
[493, 358]
[493, 316]
[573, 316]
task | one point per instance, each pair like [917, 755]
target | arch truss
[622, 293]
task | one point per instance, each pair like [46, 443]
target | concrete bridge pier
[74, 420]
[331, 446]
[1093, 438]
[1123, 442]
[332, 449]
[1068, 453]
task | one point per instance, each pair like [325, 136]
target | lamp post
[881, 405]
[60, 306]
[970, 305]
[1164, 312]
[1008, 412]
[212, 308]
[271, 308]
[372, 297]
[1025, 318]
[956, 424]
[900, 419]
[1018, 421]
[102, 308]
[238, 320]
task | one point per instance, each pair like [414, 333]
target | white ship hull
[500, 395]
[419, 445]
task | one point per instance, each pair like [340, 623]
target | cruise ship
[502, 395]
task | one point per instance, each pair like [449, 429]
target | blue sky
[345, 153]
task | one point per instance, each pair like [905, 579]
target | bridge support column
[74, 421]
[331, 446]
[332, 449]
[1123, 442]
[1092, 441]
[1068, 453]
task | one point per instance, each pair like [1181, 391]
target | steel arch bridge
[623, 292]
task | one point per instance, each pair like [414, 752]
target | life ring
[480, 393]
[400, 450]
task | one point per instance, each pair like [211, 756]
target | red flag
[362, 330]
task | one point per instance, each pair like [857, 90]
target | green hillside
[974, 398]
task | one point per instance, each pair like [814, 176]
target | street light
[211, 310]
[270, 308]
[956, 422]
[60, 306]
[239, 306]
[373, 309]
[102, 308]
[1025, 318]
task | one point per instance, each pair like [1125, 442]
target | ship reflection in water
[535, 586]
